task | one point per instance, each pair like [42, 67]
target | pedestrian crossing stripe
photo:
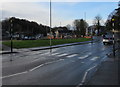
[64, 54]
[73, 55]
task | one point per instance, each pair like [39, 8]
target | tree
[97, 23]
[68, 26]
[80, 26]
[116, 16]
[24, 27]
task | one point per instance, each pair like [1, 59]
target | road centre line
[43, 65]
[36, 67]
[31, 69]
[15, 74]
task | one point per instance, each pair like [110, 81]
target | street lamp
[50, 29]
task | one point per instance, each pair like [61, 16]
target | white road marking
[85, 75]
[83, 57]
[45, 64]
[55, 54]
[73, 55]
[91, 68]
[94, 58]
[31, 69]
[36, 67]
[64, 54]
[15, 74]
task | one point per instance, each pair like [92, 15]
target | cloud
[38, 12]
[31, 11]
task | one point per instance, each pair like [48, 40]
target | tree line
[23, 26]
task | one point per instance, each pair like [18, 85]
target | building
[61, 33]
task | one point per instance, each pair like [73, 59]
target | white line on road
[73, 55]
[31, 69]
[85, 75]
[91, 68]
[94, 58]
[64, 54]
[83, 57]
[15, 74]
[36, 67]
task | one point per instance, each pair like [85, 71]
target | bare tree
[80, 26]
[97, 23]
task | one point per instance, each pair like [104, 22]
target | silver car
[108, 38]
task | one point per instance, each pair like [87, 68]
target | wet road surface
[64, 66]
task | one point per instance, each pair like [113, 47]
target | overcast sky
[64, 12]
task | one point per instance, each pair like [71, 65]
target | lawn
[41, 43]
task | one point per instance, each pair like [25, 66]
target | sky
[63, 13]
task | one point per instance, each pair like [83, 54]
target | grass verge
[40, 43]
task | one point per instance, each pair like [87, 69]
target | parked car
[108, 38]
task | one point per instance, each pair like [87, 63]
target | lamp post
[50, 29]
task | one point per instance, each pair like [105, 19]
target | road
[64, 66]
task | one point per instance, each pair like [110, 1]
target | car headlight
[104, 40]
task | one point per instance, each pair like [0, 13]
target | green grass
[41, 43]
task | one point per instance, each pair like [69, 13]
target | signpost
[113, 24]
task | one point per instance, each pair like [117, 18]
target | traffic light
[113, 19]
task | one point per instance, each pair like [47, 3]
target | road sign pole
[11, 38]
[113, 38]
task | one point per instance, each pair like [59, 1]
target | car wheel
[104, 43]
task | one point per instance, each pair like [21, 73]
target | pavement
[108, 72]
